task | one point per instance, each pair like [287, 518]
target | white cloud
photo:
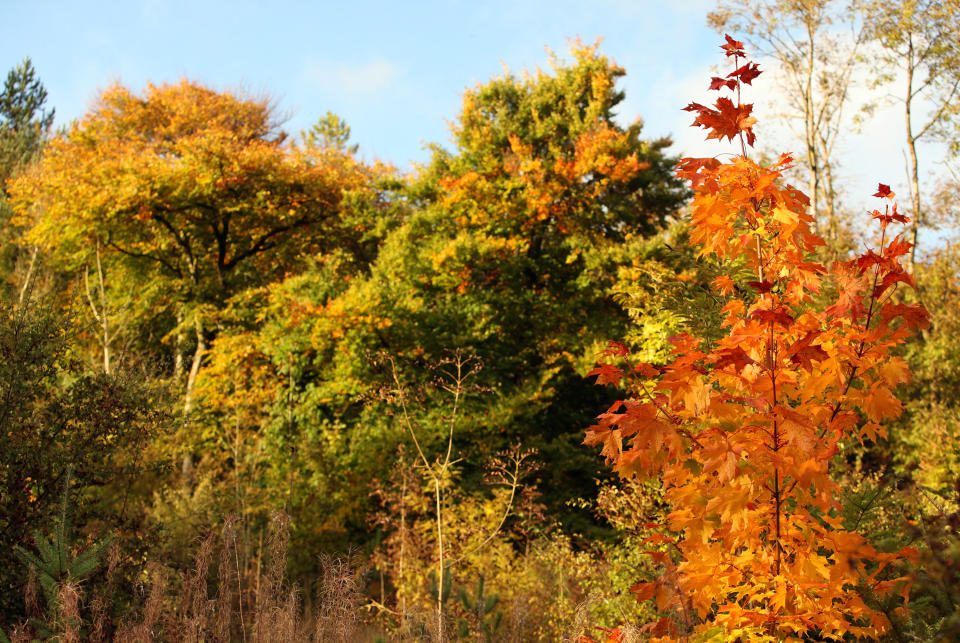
[351, 79]
[866, 155]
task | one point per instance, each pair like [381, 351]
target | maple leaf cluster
[742, 434]
[728, 119]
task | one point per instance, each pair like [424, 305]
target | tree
[547, 149]
[330, 131]
[23, 119]
[918, 46]
[24, 122]
[501, 247]
[455, 372]
[816, 45]
[192, 191]
[742, 432]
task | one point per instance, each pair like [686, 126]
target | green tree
[23, 117]
[503, 247]
[330, 131]
[24, 122]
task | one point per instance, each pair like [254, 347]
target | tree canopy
[198, 184]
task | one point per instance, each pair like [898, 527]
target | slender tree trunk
[178, 349]
[913, 168]
[29, 276]
[829, 201]
[194, 366]
[103, 310]
[810, 127]
[402, 595]
[436, 483]
[187, 465]
[100, 312]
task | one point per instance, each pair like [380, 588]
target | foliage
[58, 418]
[195, 193]
[24, 124]
[742, 434]
[55, 564]
[939, 567]
[330, 131]
[482, 615]
[666, 289]
[23, 119]
[926, 443]
[320, 298]
[499, 247]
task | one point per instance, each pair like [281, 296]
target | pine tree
[23, 118]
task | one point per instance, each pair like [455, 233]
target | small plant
[56, 568]
[483, 617]
[441, 589]
[507, 469]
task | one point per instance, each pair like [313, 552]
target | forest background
[246, 369]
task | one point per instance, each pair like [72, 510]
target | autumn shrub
[742, 432]
[63, 422]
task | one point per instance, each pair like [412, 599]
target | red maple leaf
[727, 120]
[869, 259]
[803, 351]
[897, 248]
[746, 73]
[617, 349]
[717, 83]
[892, 277]
[733, 47]
[884, 192]
[887, 217]
[736, 356]
[779, 315]
[606, 374]
[915, 316]
[761, 287]
[647, 370]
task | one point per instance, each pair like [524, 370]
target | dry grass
[216, 599]
[236, 589]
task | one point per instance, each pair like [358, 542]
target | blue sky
[396, 70]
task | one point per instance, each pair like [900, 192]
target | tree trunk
[105, 322]
[29, 276]
[100, 311]
[436, 483]
[178, 349]
[810, 127]
[829, 201]
[913, 168]
[187, 466]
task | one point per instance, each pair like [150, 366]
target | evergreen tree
[23, 118]
[23, 124]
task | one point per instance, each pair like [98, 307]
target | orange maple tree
[742, 433]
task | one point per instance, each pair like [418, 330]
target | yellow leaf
[785, 216]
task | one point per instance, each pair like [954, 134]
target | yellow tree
[190, 195]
